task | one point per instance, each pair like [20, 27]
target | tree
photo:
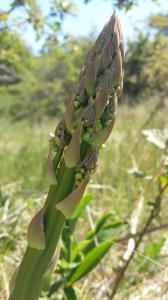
[32, 15]
[14, 57]
[124, 4]
[147, 60]
[159, 23]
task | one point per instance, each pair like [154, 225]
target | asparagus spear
[73, 155]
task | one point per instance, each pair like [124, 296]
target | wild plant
[73, 157]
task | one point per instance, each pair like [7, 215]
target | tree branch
[150, 230]
[153, 214]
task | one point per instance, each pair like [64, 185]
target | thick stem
[34, 264]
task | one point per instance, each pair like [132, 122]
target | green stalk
[29, 279]
[87, 124]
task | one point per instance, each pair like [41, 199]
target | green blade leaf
[90, 261]
[100, 223]
[111, 230]
[83, 203]
[55, 287]
[70, 293]
[85, 247]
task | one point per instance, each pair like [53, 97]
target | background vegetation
[33, 90]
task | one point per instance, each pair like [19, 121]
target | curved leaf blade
[90, 261]
[82, 205]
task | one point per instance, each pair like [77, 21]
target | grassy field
[23, 152]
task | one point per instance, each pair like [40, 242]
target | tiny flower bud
[76, 104]
[80, 97]
[59, 134]
[89, 163]
[82, 170]
[91, 160]
[86, 137]
[78, 176]
[101, 137]
[88, 116]
[110, 109]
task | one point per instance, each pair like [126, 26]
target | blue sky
[93, 16]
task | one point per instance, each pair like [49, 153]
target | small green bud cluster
[87, 122]
[62, 136]
[79, 176]
[87, 166]
[109, 111]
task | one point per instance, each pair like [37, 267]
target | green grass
[23, 152]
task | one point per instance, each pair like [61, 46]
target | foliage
[28, 13]
[124, 4]
[14, 54]
[44, 86]
[145, 71]
[160, 23]
[58, 64]
[32, 14]
[77, 259]
[45, 81]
